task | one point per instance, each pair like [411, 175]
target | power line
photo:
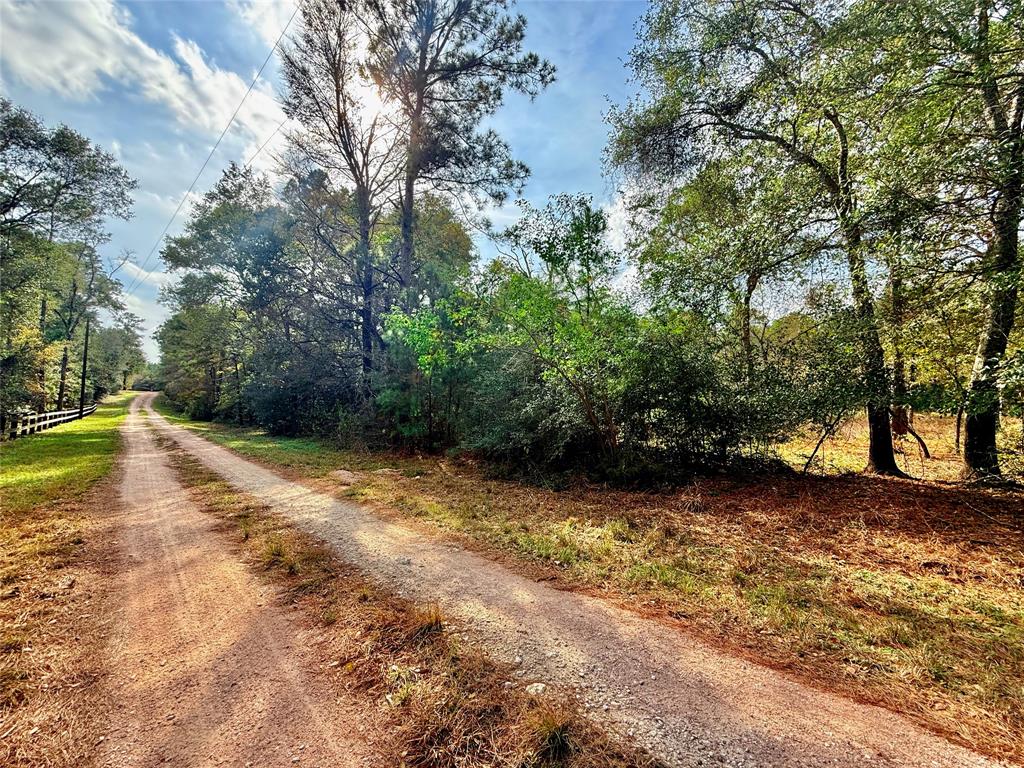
[264, 144]
[142, 267]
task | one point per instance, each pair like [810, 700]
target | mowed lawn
[906, 594]
[61, 463]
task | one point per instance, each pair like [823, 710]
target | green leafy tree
[54, 182]
[57, 189]
[958, 88]
[781, 77]
[553, 295]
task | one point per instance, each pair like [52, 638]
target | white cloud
[90, 45]
[152, 315]
[619, 229]
[265, 17]
[134, 274]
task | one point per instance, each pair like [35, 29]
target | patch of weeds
[274, 552]
[401, 682]
[551, 730]
[660, 574]
[619, 529]
[536, 546]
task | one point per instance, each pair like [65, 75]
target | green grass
[310, 456]
[63, 462]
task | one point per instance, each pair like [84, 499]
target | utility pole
[85, 364]
[42, 368]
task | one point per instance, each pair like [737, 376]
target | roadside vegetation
[442, 704]
[817, 220]
[908, 594]
[52, 572]
[62, 306]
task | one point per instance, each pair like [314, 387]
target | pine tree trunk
[406, 247]
[366, 306]
[408, 212]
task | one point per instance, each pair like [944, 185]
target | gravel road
[206, 666]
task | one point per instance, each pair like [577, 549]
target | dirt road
[687, 703]
[206, 668]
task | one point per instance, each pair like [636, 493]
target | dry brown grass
[907, 594]
[847, 450]
[53, 569]
[440, 702]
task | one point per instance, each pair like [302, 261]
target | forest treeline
[823, 204]
[59, 294]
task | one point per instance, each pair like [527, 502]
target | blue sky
[155, 82]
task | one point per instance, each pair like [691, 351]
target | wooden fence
[30, 423]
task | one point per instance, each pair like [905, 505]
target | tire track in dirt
[205, 666]
[685, 702]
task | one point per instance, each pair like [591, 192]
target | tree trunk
[366, 307]
[901, 415]
[959, 425]
[42, 368]
[62, 388]
[413, 160]
[881, 458]
[238, 393]
[899, 367]
[981, 456]
[405, 254]
[753, 279]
